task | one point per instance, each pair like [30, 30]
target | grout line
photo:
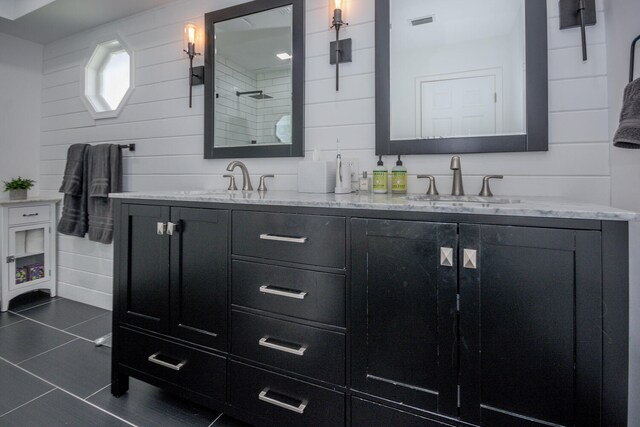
[26, 403]
[57, 329]
[68, 392]
[14, 323]
[52, 299]
[85, 321]
[93, 394]
[217, 418]
[45, 352]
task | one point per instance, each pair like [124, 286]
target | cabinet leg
[4, 305]
[119, 385]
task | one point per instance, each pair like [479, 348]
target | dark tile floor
[52, 374]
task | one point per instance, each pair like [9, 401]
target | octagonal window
[108, 78]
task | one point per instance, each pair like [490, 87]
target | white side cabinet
[27, 247]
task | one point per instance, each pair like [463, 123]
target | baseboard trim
[86, 296]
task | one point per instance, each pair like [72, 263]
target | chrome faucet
[457, 189]
[246, 180]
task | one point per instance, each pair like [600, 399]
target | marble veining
[522, 206]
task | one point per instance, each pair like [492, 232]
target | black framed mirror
[461, 76]
[254, 80]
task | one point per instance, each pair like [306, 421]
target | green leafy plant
[18, 184]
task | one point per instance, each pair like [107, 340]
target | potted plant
[18, 187]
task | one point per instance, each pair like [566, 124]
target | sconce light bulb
[338, 4]
[190, 29]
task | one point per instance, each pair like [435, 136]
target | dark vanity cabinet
[296, 316]
[171, 297]
[494, 325]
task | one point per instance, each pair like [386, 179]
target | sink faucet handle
[232, 182]
[432, 190]
[486, 191]
[262, 186]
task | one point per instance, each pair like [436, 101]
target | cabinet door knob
[160, 228]
[173, 227]
[470, 258]
[446, 257]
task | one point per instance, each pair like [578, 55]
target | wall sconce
[578, 13]
[340, 50]
[196, 74]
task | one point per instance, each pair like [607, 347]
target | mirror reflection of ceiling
[491, 18]
[254, 40]
[45, 21]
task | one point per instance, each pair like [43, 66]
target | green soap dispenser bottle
[380, 176]
[399, 178]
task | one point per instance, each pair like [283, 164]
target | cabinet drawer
[196, 370]
[306, 239]
[282, 401]
[368, 414]
[302, 349]
[299, 293]
[28, 214]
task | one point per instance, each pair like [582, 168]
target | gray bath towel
[104, 177]
[72, 179]
[74, 211]
[628, 134]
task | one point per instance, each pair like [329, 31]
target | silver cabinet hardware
[297, 409]
[283, 238]
[261, 185]
[446, 257]
[432, 190]
[232, 182]
[264, 342]
[154, 359]
[173, 227]
[266, 289]
[161, 228]
[31, 214]
[486, 191]
[470, 258]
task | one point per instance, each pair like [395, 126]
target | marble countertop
[30, 200]
[509, 206]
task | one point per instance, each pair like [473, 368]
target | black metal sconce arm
[578, 13]
[196, 74]
[340, 49]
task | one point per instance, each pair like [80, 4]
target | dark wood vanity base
[300, 316]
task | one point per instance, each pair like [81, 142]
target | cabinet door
[199, 260]
[404, 312]
[144, 267]
[530, 325]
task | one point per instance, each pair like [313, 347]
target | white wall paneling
[169, 135]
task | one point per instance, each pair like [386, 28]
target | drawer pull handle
[264, 342]
[31, 214]
[266, 289]
[283, 238]
[297, 409]
[154, 359]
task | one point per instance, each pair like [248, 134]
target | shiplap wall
[169, 135]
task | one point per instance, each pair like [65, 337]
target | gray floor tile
[8, 318]
[58, 409]
[63, 313]
[149, 406]
[94, 328]
[81, 368]
[26, 339]
[18, 387]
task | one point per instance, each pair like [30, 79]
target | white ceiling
[455, 21]
[45, 21]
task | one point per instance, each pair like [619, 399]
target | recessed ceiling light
[284, 56]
